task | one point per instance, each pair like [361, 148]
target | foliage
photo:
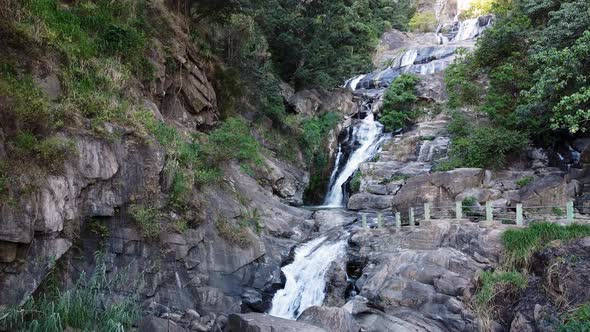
[253, 219]
[313, 141]
[423, 22]
[308, 39]
[485, 147]
[468, 204]
[355, 183]
[576, 321]
[147, 219]
[233, 233]
[49, 152]
[398, 103]
[82, 308]
[524, 181]
[232, 140]
[519, 244]
[535, 58]
[478, 8]
[395, 177]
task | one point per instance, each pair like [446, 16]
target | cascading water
[368, 136]
[306, 277]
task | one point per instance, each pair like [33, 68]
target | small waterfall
[368, 138]
[305, 286]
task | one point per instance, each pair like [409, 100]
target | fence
[487, 213]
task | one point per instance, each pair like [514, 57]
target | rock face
[314, 102]
[419, 279]
[330, 318]
[264, 323]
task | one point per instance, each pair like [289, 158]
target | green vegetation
[478, 8]
[147, 219]
[313, 142]
[234, 233]
[469, 204]
[524, 181]
[527, 58]
[577, 321]
[82, 308]
[521, 243]
[491, 282]
[423, 22]
[395, 178]
[398, 103]
[252, 219]
[355, 183]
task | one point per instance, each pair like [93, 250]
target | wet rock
[336, 285]
[330, 318]
[328, 219]
[254, 322]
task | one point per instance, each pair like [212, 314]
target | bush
[147, 219]
[232, 140]
[355, 183]
[486, 147]
[49, 153]
[519, 244]
[461, 82]
[423, 22]
[398, 103]
[468, 204]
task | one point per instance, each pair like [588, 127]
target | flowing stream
[306, 277]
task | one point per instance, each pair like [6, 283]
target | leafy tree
[398, 103]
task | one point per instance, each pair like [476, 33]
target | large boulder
[155, 324]
[332, 319]
[255, 322]
[313, 102]
[369, 201]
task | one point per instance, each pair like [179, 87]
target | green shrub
[233, 233]
[50, 153]
[458, 126]
[232, 140]
[577, 320]
[82, 308]
[486, 147]
[355, 183]
[147, 219]
[396, 177]
[461, 82]
[423, 22]
[524, 181]
[519, 244]
[252, 219]
[398, 103]
[468, 204]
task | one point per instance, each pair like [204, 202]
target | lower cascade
[306, 277]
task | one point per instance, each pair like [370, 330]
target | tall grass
[520, 244]
[85, 307]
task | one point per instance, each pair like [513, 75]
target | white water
[306, 277]
[368, 135]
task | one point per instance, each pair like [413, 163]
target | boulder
[369, 201]
[255, 322]
[331, 319]
[155, 324]
[550, 190]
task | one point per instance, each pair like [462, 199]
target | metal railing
[488, 213]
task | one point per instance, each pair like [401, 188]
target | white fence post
[570, 212]
[459, 210]
[489, 213]
[364, 218]
[412, 220]
[379, 220]
[426, 211]
[519, 215]
[398, 220]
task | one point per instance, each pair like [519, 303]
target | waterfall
[367, 137]
[306, 282]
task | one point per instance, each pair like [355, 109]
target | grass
[524, 181]
[396, 177]
[81, 308]
[147, 219]
[576, 321]
[233, 233]
[520, 244]
[492, 281]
